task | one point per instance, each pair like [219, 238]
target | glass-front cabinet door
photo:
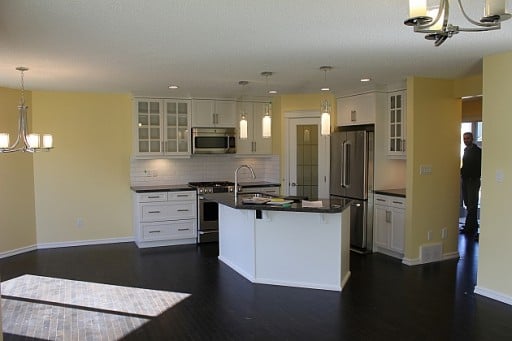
[397, 127]
[149, 114]
[177, 122]
[162, 127]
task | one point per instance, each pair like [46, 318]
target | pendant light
[25, 142]
[267, 117]
[325, 119]
[243, 118]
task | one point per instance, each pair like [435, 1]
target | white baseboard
[84, 242]
[18, 251]
[417, 261]
[243, 273]
[495, 295]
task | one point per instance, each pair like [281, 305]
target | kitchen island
[292, 246]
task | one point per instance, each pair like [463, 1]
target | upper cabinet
[359, 109]
[254, 144]
[396, 115]
[213, 113]
[162, 127]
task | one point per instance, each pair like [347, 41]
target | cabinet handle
[398, 202]
[153, 196]
[153, 211]
[383, 200]
[184, 229]
[353, 115]
[155, 231]
[183, 210]
[182, 195]
[388, 216]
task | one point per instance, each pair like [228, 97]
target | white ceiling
[207, 46]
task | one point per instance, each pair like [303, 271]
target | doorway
[307, 156]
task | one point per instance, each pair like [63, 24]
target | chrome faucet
[236, 179]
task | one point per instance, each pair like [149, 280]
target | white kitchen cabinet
[255, 143]
[270, 190]
[359, 109]
[389, 225]
[162, 127]
[165, 218]
[396, 116]
[213, 113]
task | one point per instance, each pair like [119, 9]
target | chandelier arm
[474, 22]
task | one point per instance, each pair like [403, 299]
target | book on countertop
[308, 203]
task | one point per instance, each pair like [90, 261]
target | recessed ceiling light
[173, 86]
[272, 91]
[366, 79]
[325, 89]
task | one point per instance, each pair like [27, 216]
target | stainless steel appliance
[208, 211]
[351, 176]
[213, 140]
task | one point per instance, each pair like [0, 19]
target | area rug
[60, 309]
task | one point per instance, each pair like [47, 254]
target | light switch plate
[425, 169]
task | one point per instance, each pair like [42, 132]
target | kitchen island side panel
[236, 240]
[300, 249]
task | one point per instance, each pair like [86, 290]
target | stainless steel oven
[213, 140]
[208, 211]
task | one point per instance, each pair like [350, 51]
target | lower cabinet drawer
[168, 211]
[178, 229]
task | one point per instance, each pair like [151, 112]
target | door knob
[294, 184]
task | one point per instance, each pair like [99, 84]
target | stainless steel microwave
[213, 140]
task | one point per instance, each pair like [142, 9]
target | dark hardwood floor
[383, 300]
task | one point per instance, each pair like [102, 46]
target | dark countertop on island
[328, 205]
[395, 192]
[162, 188]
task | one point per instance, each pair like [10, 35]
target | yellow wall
[496, 231]
[433, 138]
[468, 86]
[17, 212]
[87, 175]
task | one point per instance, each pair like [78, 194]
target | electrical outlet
[147, 172]
[444, 233]
[429, 235]
[79, 222]
[425, 169]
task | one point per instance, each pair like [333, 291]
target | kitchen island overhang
[294, 246]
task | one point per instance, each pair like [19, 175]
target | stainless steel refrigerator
[351, 176]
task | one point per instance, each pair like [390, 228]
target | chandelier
[434, 20]
[25, 142]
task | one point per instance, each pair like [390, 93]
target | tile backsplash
[202, 168]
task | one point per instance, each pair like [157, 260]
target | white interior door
[308, 158]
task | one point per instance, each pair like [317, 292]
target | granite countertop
[395, 192]
[162, 188]
[328, 205]
[259, 184]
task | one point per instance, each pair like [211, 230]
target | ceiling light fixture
[325, 119]
[172, 86]
[325, 69]
[243, 118]
[366, 79]
[267, 117]
[25, 142]
[434, 21]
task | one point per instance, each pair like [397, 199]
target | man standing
[470, 174]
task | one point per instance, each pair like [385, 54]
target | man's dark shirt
[471, 162]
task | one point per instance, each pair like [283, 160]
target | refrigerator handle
[343, 162]
[346, 164]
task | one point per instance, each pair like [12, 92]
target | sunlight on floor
[61, 309]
